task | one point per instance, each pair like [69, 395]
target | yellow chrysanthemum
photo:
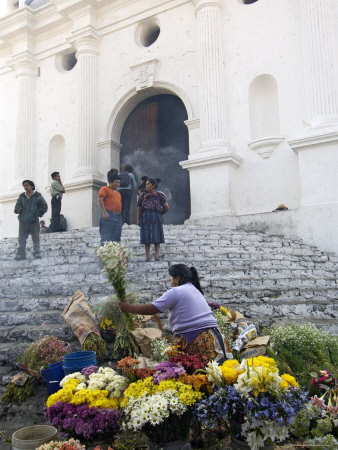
[79, 397]
[230, 375]
[231, 369]
[63, 395]
[288, 380]
[261, 361]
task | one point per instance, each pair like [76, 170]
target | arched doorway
[154, 140]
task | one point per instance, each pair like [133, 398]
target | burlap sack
[79, 316]
[144, 338]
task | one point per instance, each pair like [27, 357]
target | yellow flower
[79, 397]
[63, 395]
[230, 375]
[288, 380]
[226, 312]
[106, 324]
[231, 369]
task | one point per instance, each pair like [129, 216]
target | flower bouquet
[46, 350]
[251, 400]
[161, 405]
[71, 444]
[317, 422]
[40, 354]
[129, 368]
[114, 257]
[87, 405]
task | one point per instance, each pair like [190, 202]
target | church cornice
[49, 28]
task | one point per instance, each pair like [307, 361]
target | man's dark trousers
[126, 200]
[56, 209]
[26, 229]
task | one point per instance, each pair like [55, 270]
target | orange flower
[198, 382]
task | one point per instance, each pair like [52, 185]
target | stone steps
[268, 278]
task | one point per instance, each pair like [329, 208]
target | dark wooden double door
[154, 139]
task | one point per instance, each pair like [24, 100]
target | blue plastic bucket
[52, 376]
[76, 361]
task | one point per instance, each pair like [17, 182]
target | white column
[87, 147]
[211, 75]
[26, 122]
[319, 49]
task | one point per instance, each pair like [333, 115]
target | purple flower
[89, 370]
[83, 422]
[214, 305]
[166, 370]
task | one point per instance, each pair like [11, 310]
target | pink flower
[318, 402]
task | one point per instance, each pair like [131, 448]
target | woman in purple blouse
[190, 316]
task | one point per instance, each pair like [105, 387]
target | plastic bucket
[76, 361]
[30, 438]
[52, 376]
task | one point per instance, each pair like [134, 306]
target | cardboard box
[260, 340]
[252, 352]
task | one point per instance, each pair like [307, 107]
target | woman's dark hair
[31, 183]
[113, 177]
[127, 168]
[154, 181]
[112, 172]
[186, 275]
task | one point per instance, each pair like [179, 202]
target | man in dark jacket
[30, 206]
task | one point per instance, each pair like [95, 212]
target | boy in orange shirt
[109, 201]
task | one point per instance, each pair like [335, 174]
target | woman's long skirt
[151, 231]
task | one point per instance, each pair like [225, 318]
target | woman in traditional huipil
[151, 207]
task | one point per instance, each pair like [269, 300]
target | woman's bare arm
[148, 309]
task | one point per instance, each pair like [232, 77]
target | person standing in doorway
[56, 190]
[109, 201]
[29, 206]
[127, 185]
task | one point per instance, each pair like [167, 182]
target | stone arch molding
[133, 97]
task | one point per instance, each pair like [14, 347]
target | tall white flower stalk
[114, 257]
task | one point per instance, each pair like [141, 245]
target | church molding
[264, 147]
[144, 74]
[132, 98]
[198, 162]
[192, 124]
[308, 142]
[85, 183]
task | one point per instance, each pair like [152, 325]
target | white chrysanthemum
[75, 375]
[106, 370]
[81, 386]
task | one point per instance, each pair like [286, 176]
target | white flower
[75, 375]
[214, 373]
[255, 440]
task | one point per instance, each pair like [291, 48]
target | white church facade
[232, 103]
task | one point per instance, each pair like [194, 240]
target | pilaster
[320, 71]
[215, 160]
[211, 75]
[86, 54]
[25, 71]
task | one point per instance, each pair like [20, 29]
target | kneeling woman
[190, 317]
